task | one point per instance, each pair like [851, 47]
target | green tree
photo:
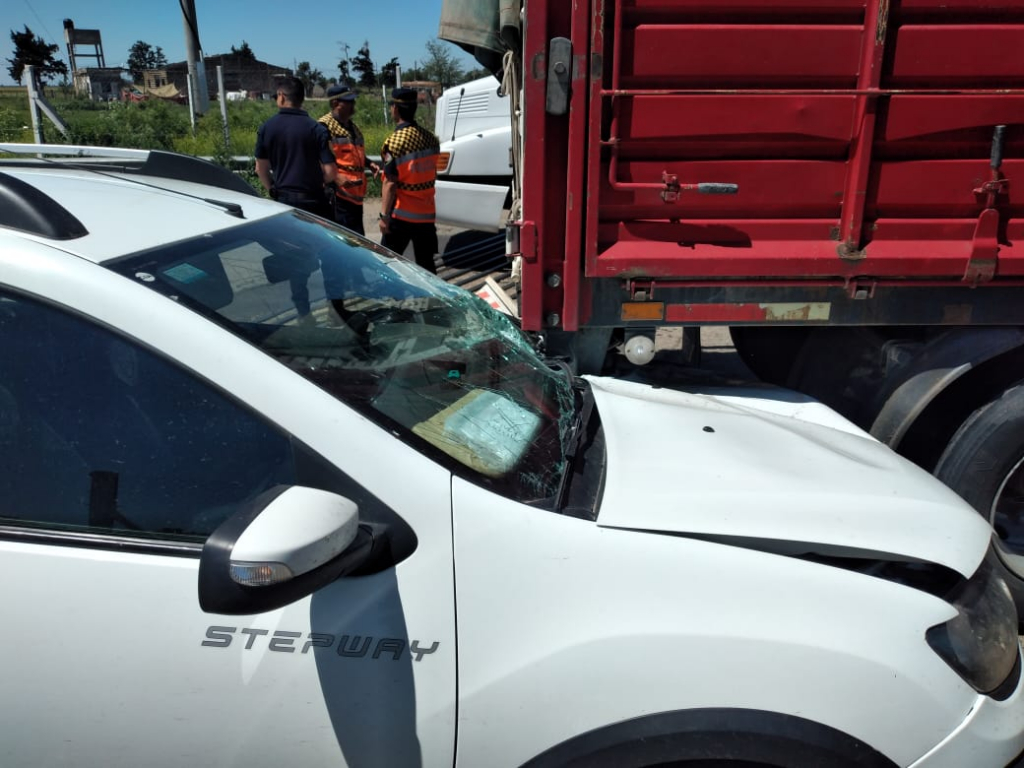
[344, 73]
[476, 74]
[142, 56]
[309, 76]
[363, 64]
[415, 72]
[388, 72]
[244, 51]
[441, 65]
[30, 50]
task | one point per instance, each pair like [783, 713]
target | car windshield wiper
[583, 399]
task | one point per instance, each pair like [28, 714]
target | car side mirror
[288, 543]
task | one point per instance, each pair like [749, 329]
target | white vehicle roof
[106, 190]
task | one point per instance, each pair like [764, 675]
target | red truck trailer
[831, 180]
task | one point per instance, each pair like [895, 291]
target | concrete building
[241, 73]
[96, 81]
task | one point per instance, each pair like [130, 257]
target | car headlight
[980, 642]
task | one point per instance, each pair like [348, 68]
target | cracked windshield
[426, 359]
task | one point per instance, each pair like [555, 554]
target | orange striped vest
[410, 158]
[350, 157]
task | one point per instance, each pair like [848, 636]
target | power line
[41, 22]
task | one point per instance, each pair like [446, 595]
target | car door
[116, 462]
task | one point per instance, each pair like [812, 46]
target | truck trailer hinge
[523, 242]
[860, 290]
[993, 187]
[671, 192]
[640, 290]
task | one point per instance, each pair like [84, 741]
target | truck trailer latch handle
[996, 183]
[559, 76]
[670, 193]
[984, 261]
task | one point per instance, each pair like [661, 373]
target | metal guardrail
[243, 161]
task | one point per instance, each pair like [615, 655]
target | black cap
[341, 92]
[403, 96]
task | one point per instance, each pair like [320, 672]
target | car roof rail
[154, 163]
[27, 209]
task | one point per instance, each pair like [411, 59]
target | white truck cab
[474, 167]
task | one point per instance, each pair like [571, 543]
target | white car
[270, 495]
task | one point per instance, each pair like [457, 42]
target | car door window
[100, 434]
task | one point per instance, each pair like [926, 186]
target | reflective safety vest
[350, 157]
[410, 161]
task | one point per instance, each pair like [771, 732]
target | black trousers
[422, 236]
[349, 215]
[310, 204]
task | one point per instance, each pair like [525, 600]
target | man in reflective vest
[350, 157]
[407, 191]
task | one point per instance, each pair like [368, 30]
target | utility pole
[38, 106]
[198, 93]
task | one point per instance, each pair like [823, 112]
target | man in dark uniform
[293, 154]
[294, 162]
[350, 154]
[407, 191]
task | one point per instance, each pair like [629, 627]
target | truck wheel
[984, 463]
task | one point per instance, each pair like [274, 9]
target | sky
[281, 33]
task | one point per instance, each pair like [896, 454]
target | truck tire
[984, 463]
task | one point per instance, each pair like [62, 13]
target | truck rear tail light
[442, 161]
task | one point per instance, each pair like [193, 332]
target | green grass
[156, 124]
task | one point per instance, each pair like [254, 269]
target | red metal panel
[764, 116]
[734, 8]
[876, 30]
[975, 7]
[767, 188]
[715, 239]
[937, 188]
[791, 100]
[796, 248]
[575, 203]
[579, 262]
[955, 54]
[791, 259]
[916, 116]
[536, 168]
[759, 54]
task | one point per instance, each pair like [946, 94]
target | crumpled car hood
[775, 467]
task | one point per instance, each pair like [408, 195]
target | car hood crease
[773, 469]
